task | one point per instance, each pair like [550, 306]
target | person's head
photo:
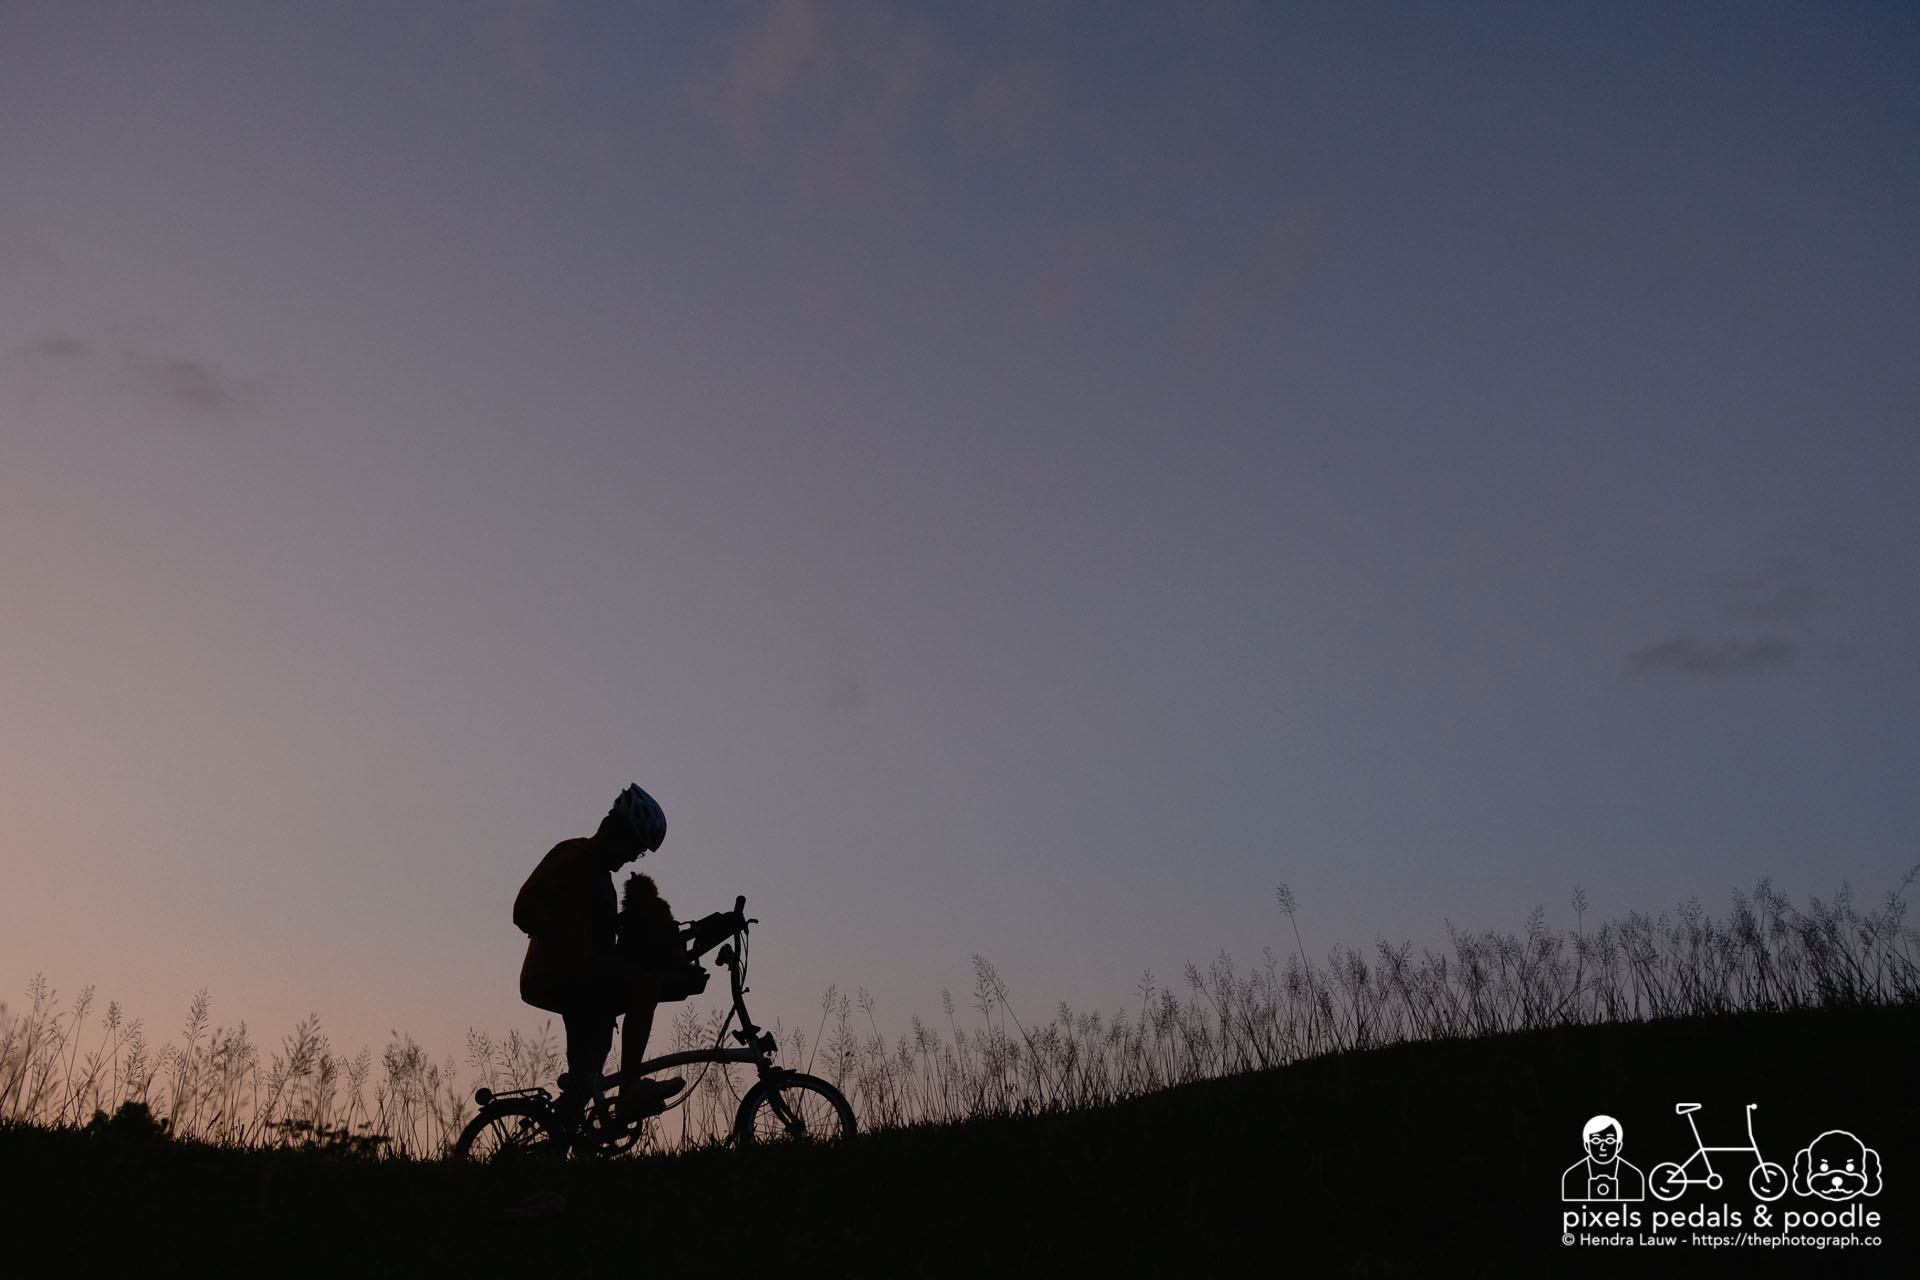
[1602, 1137]
[633, 828]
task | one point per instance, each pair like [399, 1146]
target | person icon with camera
[1603, 1175]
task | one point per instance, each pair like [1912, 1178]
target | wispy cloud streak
[822, 93]
[1685, 656]
[1254, 286]
[61, 346]
[194, 385]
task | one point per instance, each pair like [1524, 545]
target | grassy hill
[1419, 1159]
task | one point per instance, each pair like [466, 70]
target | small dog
[649, 938]
[1837, 1166]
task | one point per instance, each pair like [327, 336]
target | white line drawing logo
[1603, 1175]
[1837, 1166]
[1768, 1181]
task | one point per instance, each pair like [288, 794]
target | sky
[1018, 479]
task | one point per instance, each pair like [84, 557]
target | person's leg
[589, 1038]
[636, 1028]
[640, 993]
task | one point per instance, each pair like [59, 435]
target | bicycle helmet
[643, 812]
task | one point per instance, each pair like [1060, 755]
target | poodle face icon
[1603, 1175]
[1837, 1166]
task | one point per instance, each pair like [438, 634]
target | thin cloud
[1084, 252]
[509, 30]
[1780, 592]
[1006, 106]
[1769, 617]
[61, 346]
[1255, 285]
[194, 385]
[846, 698]
[770, 61]
[1840, 543]
[176, 383]
[822, 93]
[1685, 656]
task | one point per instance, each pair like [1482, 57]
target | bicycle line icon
[1669, 1181]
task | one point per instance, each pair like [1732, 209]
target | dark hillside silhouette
[1425, 1159]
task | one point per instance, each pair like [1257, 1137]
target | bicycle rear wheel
[511, 1128]
[793, 1108]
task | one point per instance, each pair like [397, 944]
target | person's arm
[709, 931]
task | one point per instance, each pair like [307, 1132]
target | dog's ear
[1802, 1162]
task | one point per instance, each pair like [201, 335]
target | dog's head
[639, 894]
[1837, 1166]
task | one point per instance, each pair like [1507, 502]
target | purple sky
[1016, 479]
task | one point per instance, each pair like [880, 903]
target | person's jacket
[567, 910]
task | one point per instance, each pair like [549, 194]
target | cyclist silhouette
[573, 967]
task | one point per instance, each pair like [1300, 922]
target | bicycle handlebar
[709, 931]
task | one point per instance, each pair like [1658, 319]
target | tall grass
[1763, 955]
[213, 1084]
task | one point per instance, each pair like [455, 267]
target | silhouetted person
[573, 967]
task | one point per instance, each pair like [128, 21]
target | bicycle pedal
[648, 1098]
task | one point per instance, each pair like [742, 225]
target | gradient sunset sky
[1018, 478]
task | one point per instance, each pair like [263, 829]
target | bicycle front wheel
[793, 1108]
[509, 1128]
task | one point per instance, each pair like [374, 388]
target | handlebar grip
[740, 905]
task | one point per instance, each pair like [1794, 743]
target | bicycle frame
[759, 1045]
[1712, 1180]
[1669, 1180]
